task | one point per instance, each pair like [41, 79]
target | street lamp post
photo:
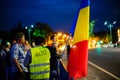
[29, 32]
[110, 27]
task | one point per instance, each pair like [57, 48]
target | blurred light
[94, 41]
[110, 42]
[98, 43]
[64, 35]
[71, 40]
[59, 34]
[8, 43]
[70, 37]
[55, 37]
[62, 48]
[74, 46]
[105, 23]
[114, 22]
[101, 41]
[55, 34]
[26, 27]
[32, 26]
[118, 32]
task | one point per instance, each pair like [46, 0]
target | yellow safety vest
[40, 66]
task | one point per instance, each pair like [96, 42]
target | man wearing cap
[38, 58]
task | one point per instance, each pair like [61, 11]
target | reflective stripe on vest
[36, 65]
[40, 66]
[37, 73]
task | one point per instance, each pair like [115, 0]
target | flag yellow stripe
[82, 26]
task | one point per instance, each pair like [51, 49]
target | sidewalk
[91, 73]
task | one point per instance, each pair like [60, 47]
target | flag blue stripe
[72, 30]
[84, 4]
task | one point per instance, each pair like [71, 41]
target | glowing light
[74, 46]
[8, 43]
[26, 27]
[62, 48]
[59, 34]
[101, 41]
[32, 26]
[105, 23]
[114, 22]
[64, 35]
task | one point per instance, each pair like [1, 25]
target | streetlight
[109, 25]
[29, 32]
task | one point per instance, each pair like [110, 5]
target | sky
[58, 14]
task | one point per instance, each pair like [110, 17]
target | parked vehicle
[110, 45]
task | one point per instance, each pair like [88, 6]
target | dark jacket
[2, 68]
[54, 58]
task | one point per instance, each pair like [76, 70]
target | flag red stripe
[78, 59]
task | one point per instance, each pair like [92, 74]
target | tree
[45, 27]
[17, 29]
[4, 35]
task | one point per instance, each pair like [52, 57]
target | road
[106, 62]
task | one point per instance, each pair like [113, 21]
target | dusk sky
[58, 14]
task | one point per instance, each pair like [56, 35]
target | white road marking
[112, 75]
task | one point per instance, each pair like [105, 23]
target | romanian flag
[78, 58]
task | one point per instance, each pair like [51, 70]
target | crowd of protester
[15, 58]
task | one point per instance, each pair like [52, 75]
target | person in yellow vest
[38, 59]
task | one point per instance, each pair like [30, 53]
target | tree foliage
[17, 29]
[44, 27]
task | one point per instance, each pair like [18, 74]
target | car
[105, 45]
[110, 45]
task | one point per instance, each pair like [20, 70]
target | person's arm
[16, 54]
[28, 58]
[18, 65]
[56, 53]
